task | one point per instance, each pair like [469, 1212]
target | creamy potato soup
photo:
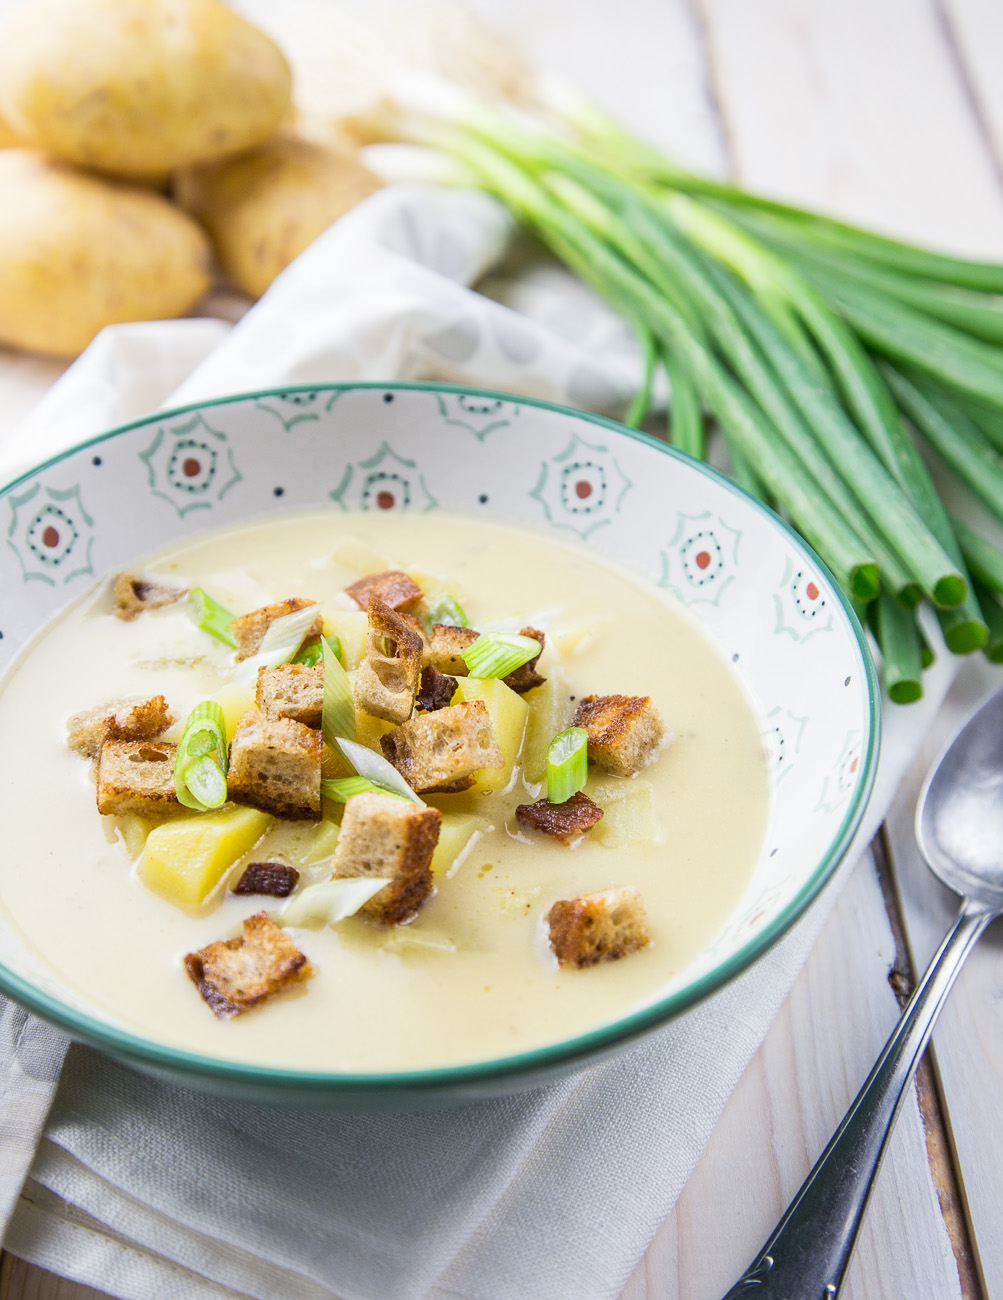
[472, 976]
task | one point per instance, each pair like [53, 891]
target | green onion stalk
[835, 362]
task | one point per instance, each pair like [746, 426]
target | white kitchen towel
[151, 1192]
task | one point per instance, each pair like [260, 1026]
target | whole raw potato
[139, 87]
[264, 207]
[7, 137]
[78, 253]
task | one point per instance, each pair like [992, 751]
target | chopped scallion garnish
[496, 654]
[283, 637]
[210, 616]
[338, 709]
[200, 764]
[567, 764]
[312, 654]
[448, 610]
[330, 901]
[342, 789]
[375, 768]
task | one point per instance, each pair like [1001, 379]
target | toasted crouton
[382, 835]
[441, 750]
[625, 731]
[275, 766]
[136, 776]
[394, 588]
[277, 879]
[436, 689]
[292, 691]
[387, 679]
[525, 678]
[597, 927]
[134, 595]
[445, 646]
[566, 821]
[136, 718]
[234, 975]
[249, 629]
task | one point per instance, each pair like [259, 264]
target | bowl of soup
[716, 687]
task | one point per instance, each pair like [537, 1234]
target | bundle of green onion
[818, 349]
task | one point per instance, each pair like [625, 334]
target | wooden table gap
[942, 1156]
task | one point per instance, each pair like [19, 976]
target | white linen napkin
[151, 1192]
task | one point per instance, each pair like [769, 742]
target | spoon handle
[807, 1254]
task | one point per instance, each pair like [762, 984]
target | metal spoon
[959, 828]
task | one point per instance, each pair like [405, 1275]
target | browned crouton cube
[134, 595]
[249, 629]
[387, 678]
[438, 751]
[275, 766]
[292, 691]
[382, 835]
[136, 718]
[436, 689]
[625, 731]
[234, 975]
[136, 776]
[445, 647]
[561, 821]
[277, 879]
[394, 588]
[597, 927]
[526, 677]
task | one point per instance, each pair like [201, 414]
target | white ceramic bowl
[756, 589]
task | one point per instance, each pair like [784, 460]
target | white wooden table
[889, 112]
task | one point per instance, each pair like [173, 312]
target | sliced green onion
[495, 654]
[567, 764]
[338, 709]
[200, 764]
[342, 789]
[313, 654]
[283, 637]
[330, 901]
[210, 616]
[377, 769]
[898, 637]
[446, 609]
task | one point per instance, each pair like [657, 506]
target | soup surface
[472, 977]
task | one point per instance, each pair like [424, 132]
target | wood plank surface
[859, 109]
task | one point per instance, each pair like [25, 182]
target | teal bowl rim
[447, 1078]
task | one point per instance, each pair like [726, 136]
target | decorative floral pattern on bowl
[754, 587]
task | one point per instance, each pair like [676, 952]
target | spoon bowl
[959, 817]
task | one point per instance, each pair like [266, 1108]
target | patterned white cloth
[150, 1192]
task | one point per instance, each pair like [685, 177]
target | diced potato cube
[571, 642]
[184, 861]
[628, 806]
[300, 844]
[508, 717]
[433, 584]
[351, 627]
[411, 941]
[133, 829]
[456, 834]
[369, 729]
[234, 700]
[318, 843]
[550, 712]
[355, 554]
